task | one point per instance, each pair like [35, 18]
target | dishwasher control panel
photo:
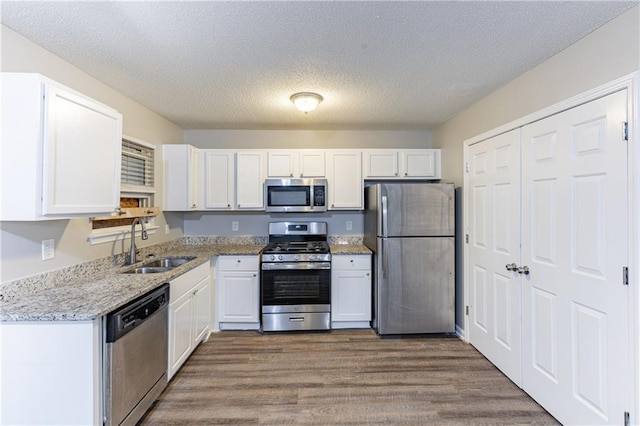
[134, 313]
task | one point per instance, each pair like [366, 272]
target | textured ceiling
[378, 65]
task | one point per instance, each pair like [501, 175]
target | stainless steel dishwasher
[136, 357]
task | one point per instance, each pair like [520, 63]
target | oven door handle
[295, 266]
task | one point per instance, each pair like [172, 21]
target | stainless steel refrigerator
[410, 229]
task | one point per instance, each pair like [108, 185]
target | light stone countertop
[87, 297]
[87, 291]
[353, 249]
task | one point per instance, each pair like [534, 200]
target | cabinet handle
[228, 205]
[255, 275]
[351, 261]
[290, 174]
[239, 260]
[368, 274]
[406, 174]
[239, 206]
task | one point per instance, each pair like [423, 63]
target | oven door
[285, 285]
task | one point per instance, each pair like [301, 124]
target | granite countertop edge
[90, 297]
[349, 249]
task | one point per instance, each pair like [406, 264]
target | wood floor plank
[345, 377]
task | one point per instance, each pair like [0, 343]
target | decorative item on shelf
[306, 101]
[123, 216]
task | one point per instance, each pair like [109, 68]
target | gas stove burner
[297, 242]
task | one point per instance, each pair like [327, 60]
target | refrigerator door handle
[383, 257]
[384, 216]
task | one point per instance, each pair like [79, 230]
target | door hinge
[466, 238]
[625, 275]
[466, 310]
[625, 131]
[466, 167]
[627, 421]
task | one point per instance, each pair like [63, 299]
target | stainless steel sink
[163, 264]
[147, 270]
[168, 262]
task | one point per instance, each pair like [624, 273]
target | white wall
[20, 252]
[609, 52]
[303, 139]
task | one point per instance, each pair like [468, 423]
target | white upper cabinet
[181, 177]
[312, 164]
[420, 163]
[407, 164]
[219, 171]
[295, 164]
[345, 183]
[250, 176]
[60, 151]
[381, 163]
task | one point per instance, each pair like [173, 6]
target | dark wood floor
[342, 377]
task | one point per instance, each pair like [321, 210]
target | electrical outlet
[349, 225]
[48, 249]
[166, 228]
[234, 225]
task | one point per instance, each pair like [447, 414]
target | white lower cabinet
[350, 291]
[189, 314]
[238, 292]
[51, 373]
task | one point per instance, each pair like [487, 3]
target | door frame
[629, 82]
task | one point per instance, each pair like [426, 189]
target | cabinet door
[82, 146]
[420, 163]
[312, 164]
[180, 332]
[218, 180]
[202, 307]
[250, 175]
[381, 164]
[239, 296]
[181, 176]
[280, 164]
[351, 295]
[193, 182]
[346, 187]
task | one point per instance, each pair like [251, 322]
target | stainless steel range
[296, 277]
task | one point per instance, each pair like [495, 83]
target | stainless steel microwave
[295, 195]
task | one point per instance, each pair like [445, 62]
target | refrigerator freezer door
[415, 210]
[415, 286]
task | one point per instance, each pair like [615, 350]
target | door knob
[511, 266]
[523, 270]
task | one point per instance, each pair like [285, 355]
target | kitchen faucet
[131, 258]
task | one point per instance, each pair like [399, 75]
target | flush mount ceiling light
[306, 101]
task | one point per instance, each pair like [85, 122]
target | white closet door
[494, 242]
[575, 236]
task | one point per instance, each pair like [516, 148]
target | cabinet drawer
[188, 280]
[238, 263]
[351, 262]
